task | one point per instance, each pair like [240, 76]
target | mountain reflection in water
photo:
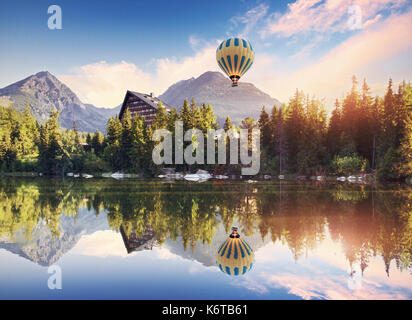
[43, 219]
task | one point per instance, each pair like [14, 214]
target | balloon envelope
[235, 57]
[235, 256]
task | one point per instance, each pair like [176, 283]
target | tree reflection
[367, 220]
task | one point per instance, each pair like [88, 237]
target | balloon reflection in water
[235, 257]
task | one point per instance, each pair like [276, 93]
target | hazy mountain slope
[43, 248]
[215, 88]
[105, 112]
[43, 91]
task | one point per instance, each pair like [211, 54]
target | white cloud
[102, 244]
[248, 20]
[317, 286]
[163, 253]
[372, 21]
[198, 44]
[252, 284]
[323, 274]
[105, 243]
[104, 84]
[366, 54]
[328, 77]
[307, 48]
[322, 16]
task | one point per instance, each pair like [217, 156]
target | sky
[107, 47]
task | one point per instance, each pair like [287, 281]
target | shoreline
[368, 179]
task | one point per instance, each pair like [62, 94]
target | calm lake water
[132, 239]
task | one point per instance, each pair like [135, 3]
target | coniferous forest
[363, 134]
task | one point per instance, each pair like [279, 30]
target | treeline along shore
[363, 135]
[367, 221]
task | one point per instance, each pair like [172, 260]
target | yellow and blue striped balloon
[235, 57]
[235, 256]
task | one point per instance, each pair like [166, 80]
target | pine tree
[29, 133]
[334, 134]
[294, 128]
[195, 115]
[7, 154]
[405, 150]
[313, 152]
[207, 118]
[126, 143]
[97, 143]
[389, 117]
[401, 109]
[50, 147]
[350, 116]
[265, 129]
[249, 124]
[89, 139]
[388, 144]
[171, 119]
[76, 132]
[112, 150]
[364, 134]
[228, 124]
[279, 143]
[138, 154]
[266, 142]
[185, 115]
[376, 118]
[160, 120]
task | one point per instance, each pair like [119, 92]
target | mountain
[43, 91]
[105, 112]
[45, 249]
[214, 88]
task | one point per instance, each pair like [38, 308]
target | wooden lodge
[141, 103]
[132, 242]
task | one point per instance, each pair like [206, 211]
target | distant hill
[45, 249]
[43, 91]
[216, 89]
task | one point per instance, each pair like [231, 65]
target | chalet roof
[144, 242]
[147, 98]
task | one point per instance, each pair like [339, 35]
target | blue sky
[134, 31]
[107, 47]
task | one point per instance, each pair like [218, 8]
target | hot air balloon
[235, 56]
[234, 257]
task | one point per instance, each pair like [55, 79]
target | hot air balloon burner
[234, 233]
[235, 80]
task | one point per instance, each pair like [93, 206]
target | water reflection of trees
[368, 221]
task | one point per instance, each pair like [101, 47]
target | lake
[135, 239]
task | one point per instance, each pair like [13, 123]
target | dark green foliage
[97, 143]
[363, 134]
[349, 165]
[387, 166]
[113, 140]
